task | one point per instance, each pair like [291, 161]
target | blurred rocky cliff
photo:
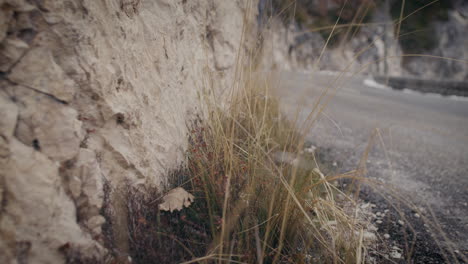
[368, 36]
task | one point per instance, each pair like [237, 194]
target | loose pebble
[369, 236]
[311, 149]
[417, 215]
[386, 236]
[401, 222]
[395, 255]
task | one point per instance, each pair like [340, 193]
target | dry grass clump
[249, 207]
[266, 211]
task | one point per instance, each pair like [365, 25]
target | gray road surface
[423, 148]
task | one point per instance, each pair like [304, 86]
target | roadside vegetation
[248, 207]
[252, 191]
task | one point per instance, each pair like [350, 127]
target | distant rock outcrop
[451, 50]
[297, 39]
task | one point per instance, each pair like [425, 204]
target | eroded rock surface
[95, 93]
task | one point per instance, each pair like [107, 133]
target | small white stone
[386, 211]
[364, 206]
[310, 149]
[395, 255]
[401, 222]
[378, 213]
[369, 236]
[417, 215]
[378, 221]
[386, 236]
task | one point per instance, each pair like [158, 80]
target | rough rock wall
[295, 48]
[94, 93]
[452, 43]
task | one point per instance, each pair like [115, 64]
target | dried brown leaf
[176, 199]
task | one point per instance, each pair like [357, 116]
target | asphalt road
[421, 147]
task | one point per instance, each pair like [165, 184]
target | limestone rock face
[10, 52]
[452, 43]
[375, 49]
[37, 211]
[46, 77]
[295, 48]
[95, 94]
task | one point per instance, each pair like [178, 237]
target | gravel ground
[418, 153]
